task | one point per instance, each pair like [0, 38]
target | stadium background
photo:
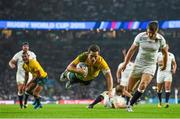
[56, 48]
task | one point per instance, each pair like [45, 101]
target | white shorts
[20, 77]
[163, 76]
[139, 70]
[124, 82]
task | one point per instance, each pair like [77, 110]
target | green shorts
[74, 79]
[41, 81]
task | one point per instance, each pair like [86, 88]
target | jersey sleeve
[16, 56]
[104, 66]
[120, 65]
[158, 56]
[137, 39]
[80, 58]
[173, 57]
[33, 55]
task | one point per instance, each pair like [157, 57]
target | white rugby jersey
[18, 57]
[125, 74]
[170, 59]
[148, 49]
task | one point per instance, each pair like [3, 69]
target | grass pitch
[80, 111]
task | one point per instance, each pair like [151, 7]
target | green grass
[80, 111]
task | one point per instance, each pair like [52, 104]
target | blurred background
[55, 49]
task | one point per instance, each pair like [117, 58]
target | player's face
[92, 57]
[25, 58]
[25, 47]
[151, 34]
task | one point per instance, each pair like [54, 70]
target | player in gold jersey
[95, 64]
[35, 86]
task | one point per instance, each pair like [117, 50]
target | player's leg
[145, 80]
[96, 101]
[20, 87]
[37, 97]
[72, 79]
[167, 92]
[63, 76]
[159, 93]
[29, 91]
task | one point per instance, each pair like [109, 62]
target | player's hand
[82, 72]
[118, 80]
[110, 93]
[123, 67]
[163, 67]
[173, 71]
[12, 66]
[24, 87]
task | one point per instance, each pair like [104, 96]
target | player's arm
[118, 75]
[72, 66]
[165, 56]
[26, 77]
[126, 93]
[174, 66]
[129, 54]
[109, 81]
[107, 73]
[12, 63]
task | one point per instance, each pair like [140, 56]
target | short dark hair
[119, 90]
[153, 25]
[94, 48]
[25, 43]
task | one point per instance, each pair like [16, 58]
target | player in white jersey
[17, 61]
[123, 76]
[148, 43]
[165, 76]
[117, 100]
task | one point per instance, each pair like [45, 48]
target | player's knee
[167, 90]
[141, 90]
[20, 93]
[142, 87]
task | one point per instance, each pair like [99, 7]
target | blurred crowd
[56, 49]
[92, 9]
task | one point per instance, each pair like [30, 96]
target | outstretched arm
[174, 66]
[165, 56]
[109, 81]
[129, 55]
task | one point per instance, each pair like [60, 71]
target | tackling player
[17, 61]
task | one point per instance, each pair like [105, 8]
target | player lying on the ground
[117, 100]
[94, 65]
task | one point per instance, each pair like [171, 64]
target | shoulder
[120, 65]
[170, 54]
[83, 56]
[142, 34]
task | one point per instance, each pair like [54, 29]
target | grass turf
[80, 111]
